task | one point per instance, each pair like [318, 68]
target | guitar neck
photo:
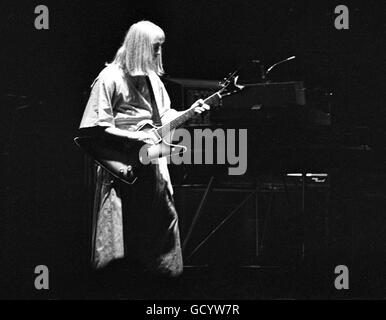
[186, 115]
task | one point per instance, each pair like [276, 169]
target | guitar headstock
[229, 85]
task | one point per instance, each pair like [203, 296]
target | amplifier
[255, 104]
[261, 101]
[268, 95]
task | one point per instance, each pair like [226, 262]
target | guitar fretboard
[186, 115]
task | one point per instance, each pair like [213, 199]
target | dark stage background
[45, 217]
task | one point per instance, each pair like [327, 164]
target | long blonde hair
[136, 55]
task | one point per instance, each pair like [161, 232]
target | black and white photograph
[190, 155]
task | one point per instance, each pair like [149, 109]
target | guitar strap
[155, 114]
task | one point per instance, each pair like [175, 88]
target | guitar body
[126, 160]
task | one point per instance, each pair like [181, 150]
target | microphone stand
[264, 74]
[277, 63]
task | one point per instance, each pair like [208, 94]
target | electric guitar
[125, 160]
